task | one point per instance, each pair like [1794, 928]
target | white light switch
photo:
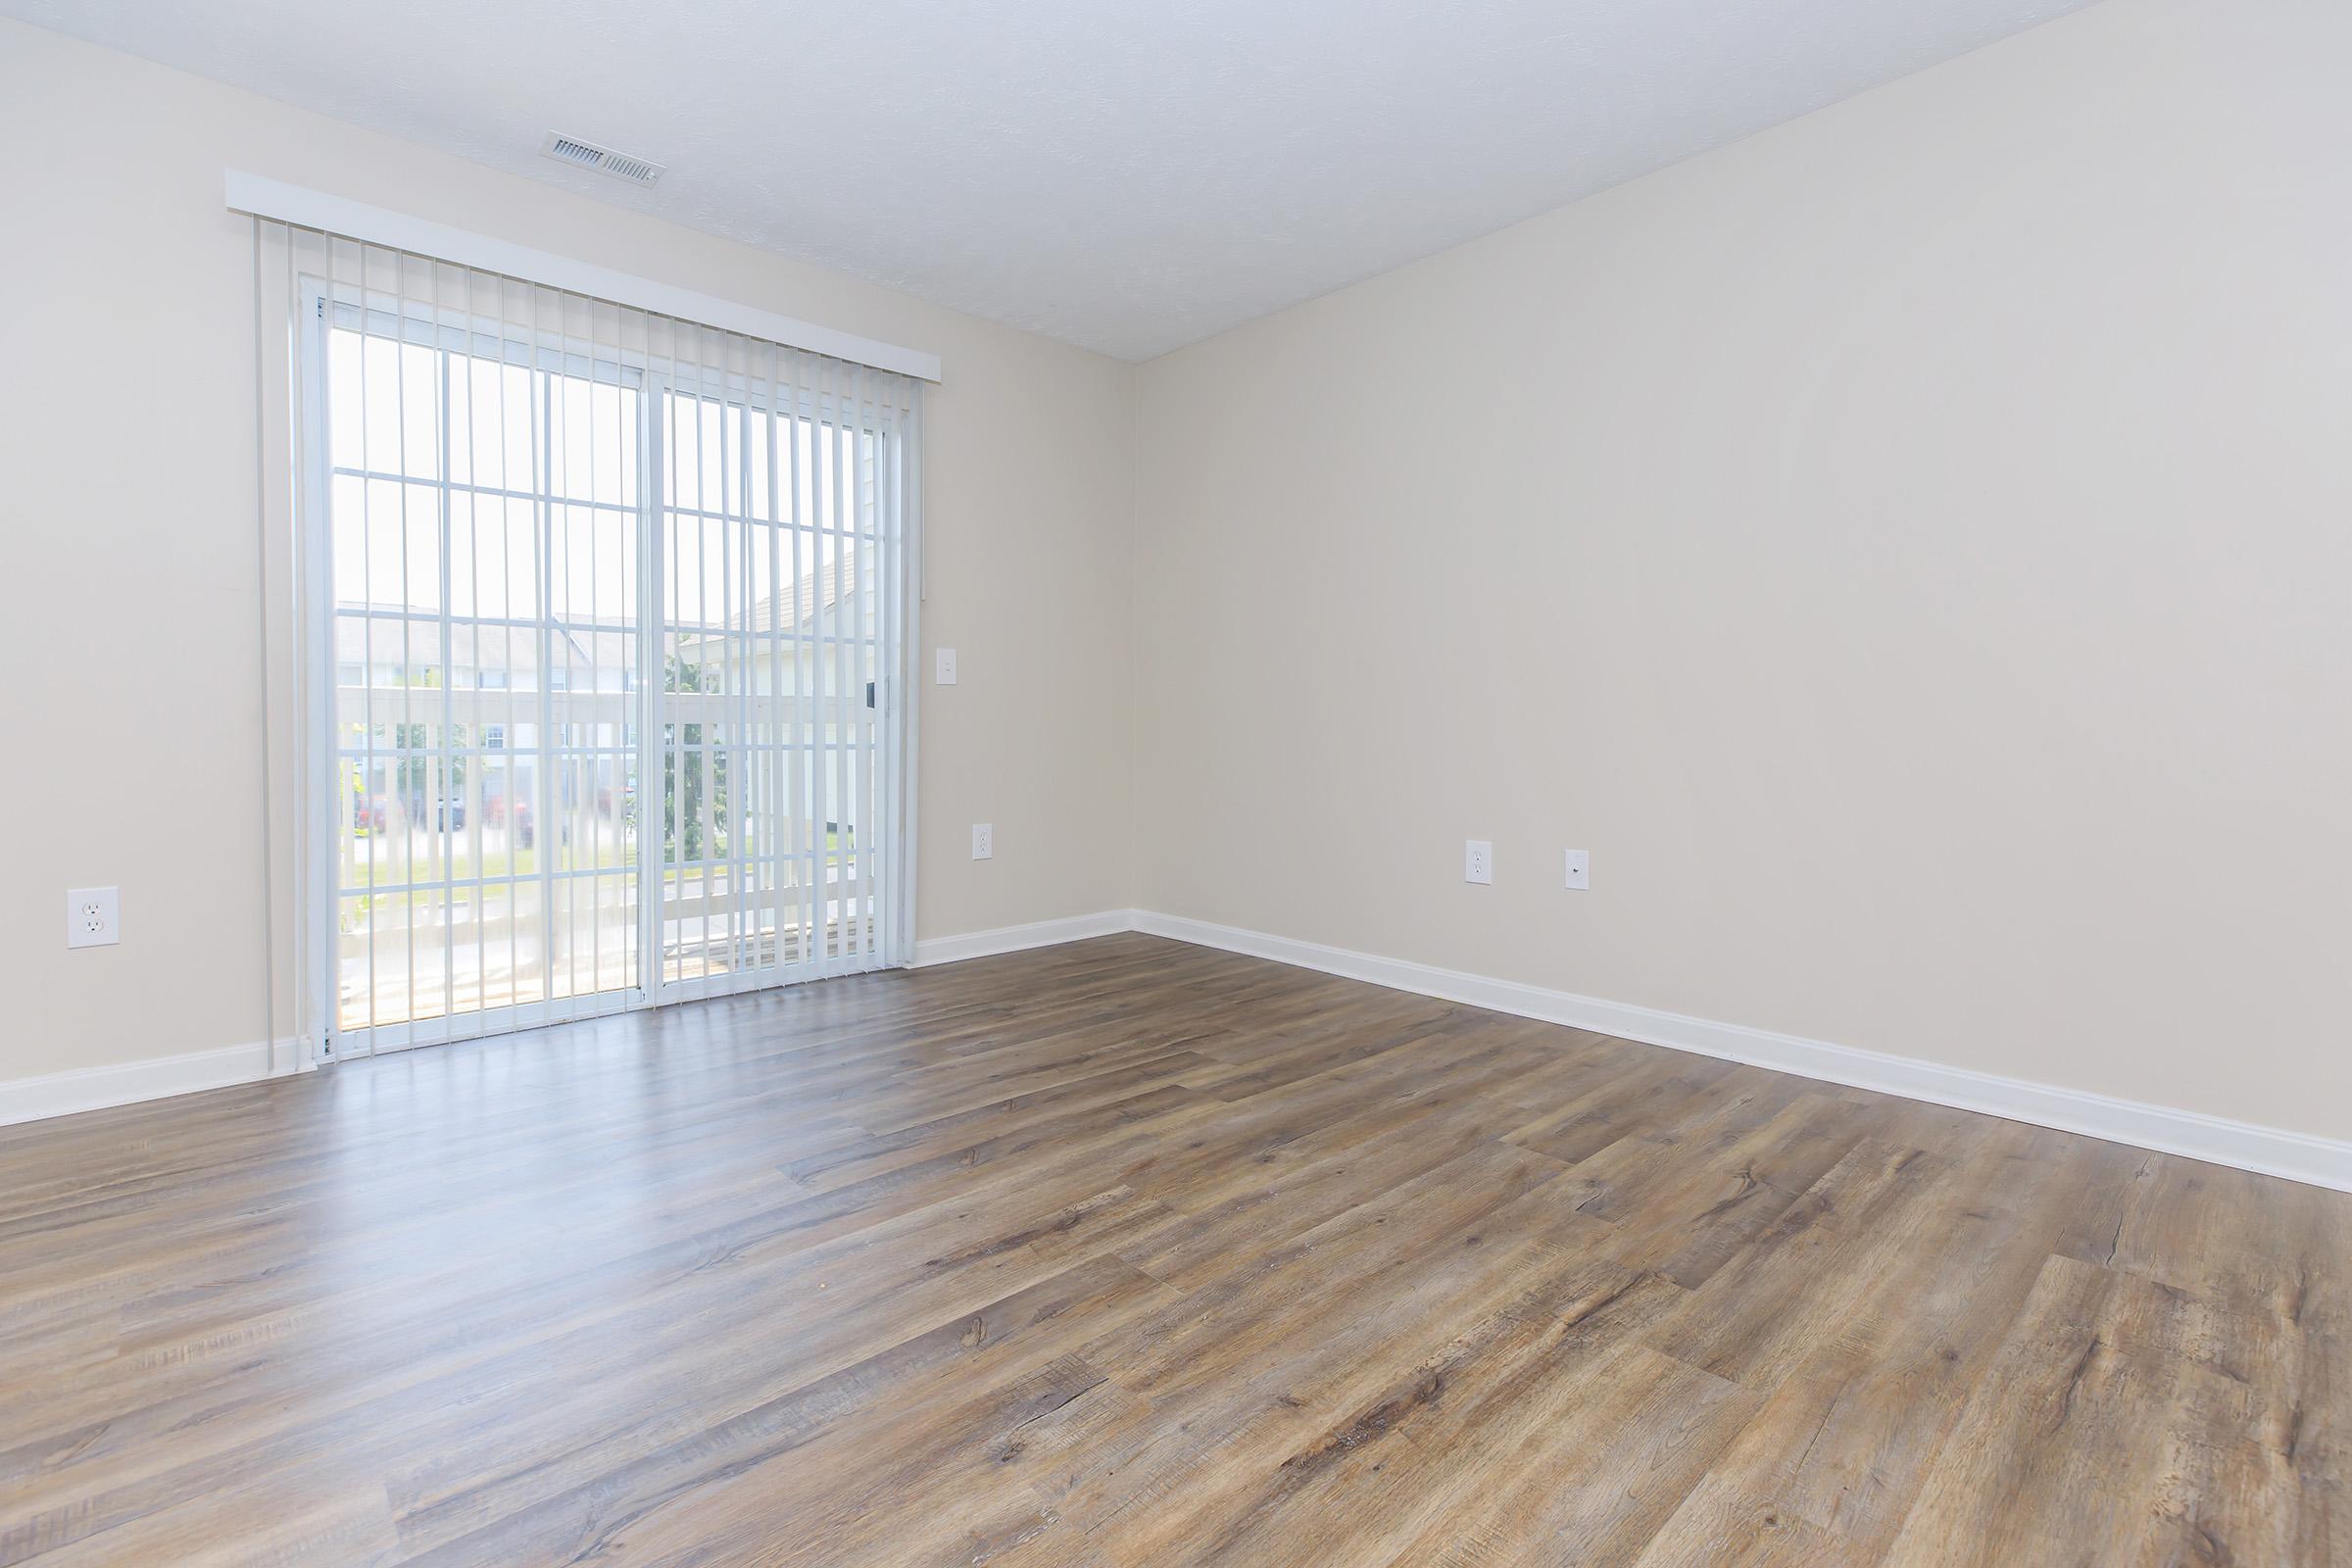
[946, 657]
[1579, 868]
[93, 917]
[1478, 861]
[984, 841]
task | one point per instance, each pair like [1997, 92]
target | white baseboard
[2270, 1151]
[61, 1094]
[1016, 938]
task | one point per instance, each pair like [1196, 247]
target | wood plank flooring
[1132, 1253]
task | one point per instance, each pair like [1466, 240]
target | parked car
[446, 814]
[497, 811]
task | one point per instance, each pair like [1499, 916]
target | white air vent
[604, 159]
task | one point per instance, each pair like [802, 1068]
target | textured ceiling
[1130, 175]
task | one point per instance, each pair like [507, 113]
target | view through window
[613, 641]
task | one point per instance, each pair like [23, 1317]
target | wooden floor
[1132, 1253]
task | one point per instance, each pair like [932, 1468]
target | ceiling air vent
[604, 159]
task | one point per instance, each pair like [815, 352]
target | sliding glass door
[774, 774]
[613, 626]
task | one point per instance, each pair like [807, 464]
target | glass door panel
[770, 680]
[614, 608]
[485, 526]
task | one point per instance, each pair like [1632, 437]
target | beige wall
[131, 646]
[1911, 550]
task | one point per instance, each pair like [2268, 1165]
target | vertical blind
[606, 619]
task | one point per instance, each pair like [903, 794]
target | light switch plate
[984, 841]
[1478, 861]
[93, 917]
[944, 659]
[1579, 868]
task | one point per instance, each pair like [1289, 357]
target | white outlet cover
[1579, 868]
[984, 841]
[93, 917]
[944, 661]
[1478, 861]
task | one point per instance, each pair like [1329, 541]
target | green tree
[414, 777]
[694, 797]
[413, 743]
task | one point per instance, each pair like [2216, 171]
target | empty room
[1415, 784]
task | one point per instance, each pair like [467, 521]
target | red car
[495, 813]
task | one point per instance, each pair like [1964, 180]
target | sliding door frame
[544, 354]
[890, 727]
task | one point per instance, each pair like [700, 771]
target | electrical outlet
[944, 659]
[1579, 868]
[1478, 861]
[93, 917]
[984, 841]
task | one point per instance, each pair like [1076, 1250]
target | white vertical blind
[605, 624]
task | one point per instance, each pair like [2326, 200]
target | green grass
[496, 865]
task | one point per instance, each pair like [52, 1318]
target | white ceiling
[1130, 175]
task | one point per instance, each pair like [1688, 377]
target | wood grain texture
[1130, 1252]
